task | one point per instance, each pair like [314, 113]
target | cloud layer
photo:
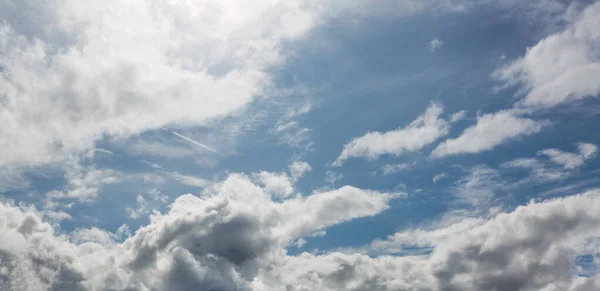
[219, 241]
[234, 238]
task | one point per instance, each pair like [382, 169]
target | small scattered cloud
[276, 184]
[298, 169]
[84, 181]
[390, 169]
[438, 177]
[476, 193]
[571, 160]
[458, 116]
[435, 45]
[146, 203]
[289, 130]
[557, 164]
[560, 68]
[191, 180]
[332, 177]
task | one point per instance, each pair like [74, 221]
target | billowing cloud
[423, 131]
[490, 131]
[80, 72]
[532, 248]
[218, 241]
[561, 67]
[233, 237]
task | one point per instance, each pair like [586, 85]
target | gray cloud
[233, 237]
[219, 241]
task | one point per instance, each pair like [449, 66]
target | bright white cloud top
[299, 145]
[490, 131]
[423, 131]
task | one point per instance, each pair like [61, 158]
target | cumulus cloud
[490, 131]
[76, 73]
[276, 184]
[558, 69]
[291, 133]
[562, 67]
[423, 131]
[282, 184]
[234, 236]
[219, 241]
[531, 248]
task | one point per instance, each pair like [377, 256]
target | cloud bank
[234, 237]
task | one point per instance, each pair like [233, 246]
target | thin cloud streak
[196, 142]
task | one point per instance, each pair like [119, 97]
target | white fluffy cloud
[423, 131]
[490, 131]
[562, 67]
[532, 248]
[77, 71]
[233, 237]
[220, 240]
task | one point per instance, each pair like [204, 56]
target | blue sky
[210, 145]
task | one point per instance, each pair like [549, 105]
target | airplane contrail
[195, 142]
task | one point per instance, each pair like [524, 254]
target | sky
[266, 145]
